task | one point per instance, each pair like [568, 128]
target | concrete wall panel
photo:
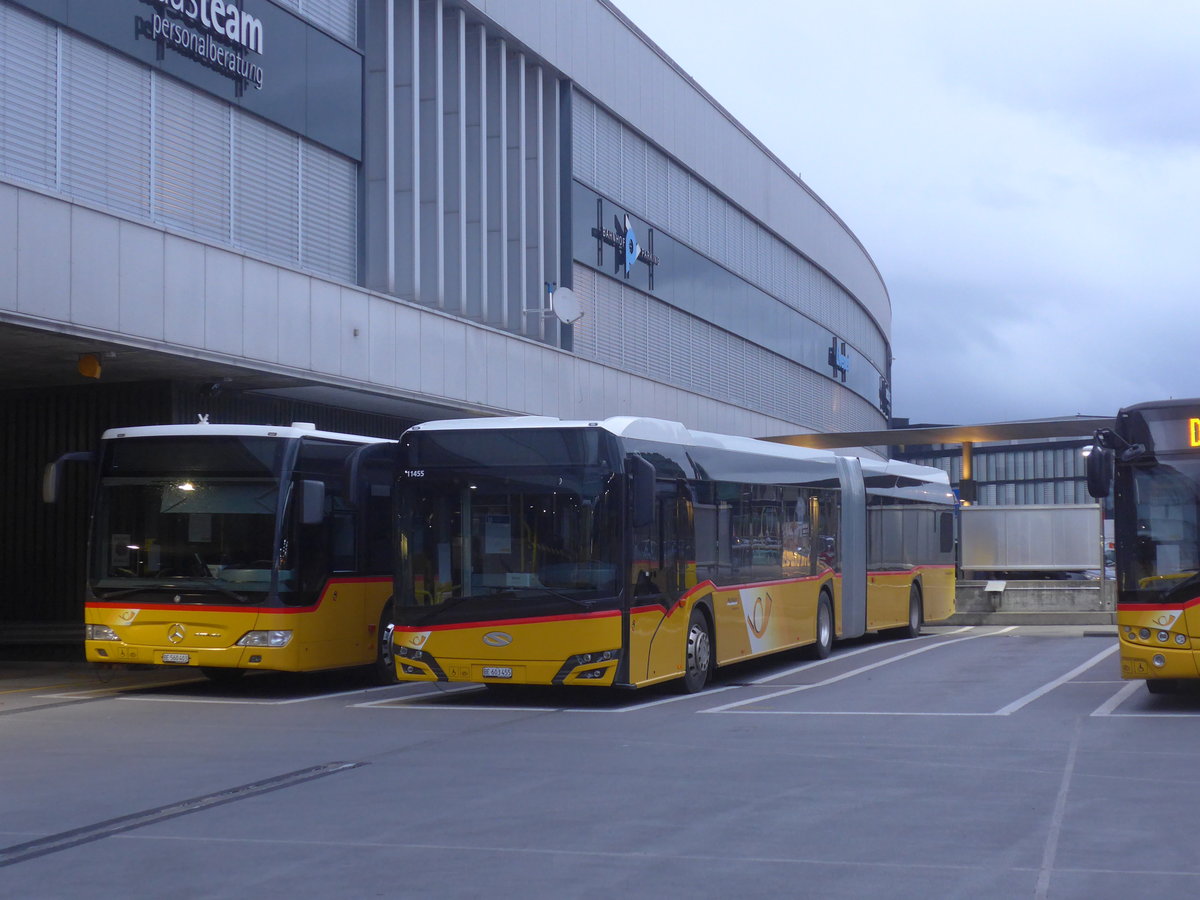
[184, 291]
[295, 319]
[8, 247]
[223, 298]
[260, 312]
[326, 345]
[43, 254]
[95, 269]
[381, 340]
[141, 287]
[455, 359]
[408, 345]
[354, 329]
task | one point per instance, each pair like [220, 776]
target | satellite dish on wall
[566, 306]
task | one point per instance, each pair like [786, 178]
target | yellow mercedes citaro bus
[229, 548]
[632, 551]
[1150, 462]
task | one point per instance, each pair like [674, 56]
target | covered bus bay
[48, 407]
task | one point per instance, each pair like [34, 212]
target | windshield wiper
[1190, 581]
[450, 604]
[586, 604]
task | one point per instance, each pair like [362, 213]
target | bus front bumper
[595, 669]
[1140, 661]
[189, 657]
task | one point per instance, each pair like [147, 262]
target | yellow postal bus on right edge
[1150, 460]
[630, 551]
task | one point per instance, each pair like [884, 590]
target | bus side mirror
[643, 491]
[312, 502]
[1099, 472]
[52, 474]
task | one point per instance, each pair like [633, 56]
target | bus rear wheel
[916, 614]
[822, 644]
[697, 663]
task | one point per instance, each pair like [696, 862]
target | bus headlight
[265, 639]
[1180, 639]
[1162, 637]
[1159, 660]
[100, 633]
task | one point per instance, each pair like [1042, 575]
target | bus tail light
[265, 639]
[100, 633]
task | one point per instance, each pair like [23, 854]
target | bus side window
[377, 529]
[341, 535]
[946, 532]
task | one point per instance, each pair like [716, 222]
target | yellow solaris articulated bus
[1155, 448]
[633, 551]
[239, 547]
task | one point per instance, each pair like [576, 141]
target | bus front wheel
[1162, 685]
[222, 676]
[697, 663]
[384, 667]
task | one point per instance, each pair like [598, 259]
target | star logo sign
[631, 246]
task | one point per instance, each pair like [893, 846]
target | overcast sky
[1026, 176]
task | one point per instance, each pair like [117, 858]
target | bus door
[853, 547]
[665, 569]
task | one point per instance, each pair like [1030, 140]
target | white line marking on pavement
[1106, 708]
[804, 667]
[814, 712]
[1056, 819]
[1049, 686]
[415, 699]
[853, 672]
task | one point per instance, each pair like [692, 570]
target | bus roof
[641, 428]
[668, 432]
[295, 430]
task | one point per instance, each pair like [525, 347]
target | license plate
[176, 658]
[497, 671]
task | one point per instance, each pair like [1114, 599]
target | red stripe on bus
[1140, 607]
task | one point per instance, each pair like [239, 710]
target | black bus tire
[384, 667]
[698, 653]
[822, 644]
[1162, 685]
[222, 676]
[916, 613]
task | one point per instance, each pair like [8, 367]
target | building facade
[359, 212]
[1049, 472]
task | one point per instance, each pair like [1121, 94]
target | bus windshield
[1162, 554]
[209, 534]
[512, 544]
